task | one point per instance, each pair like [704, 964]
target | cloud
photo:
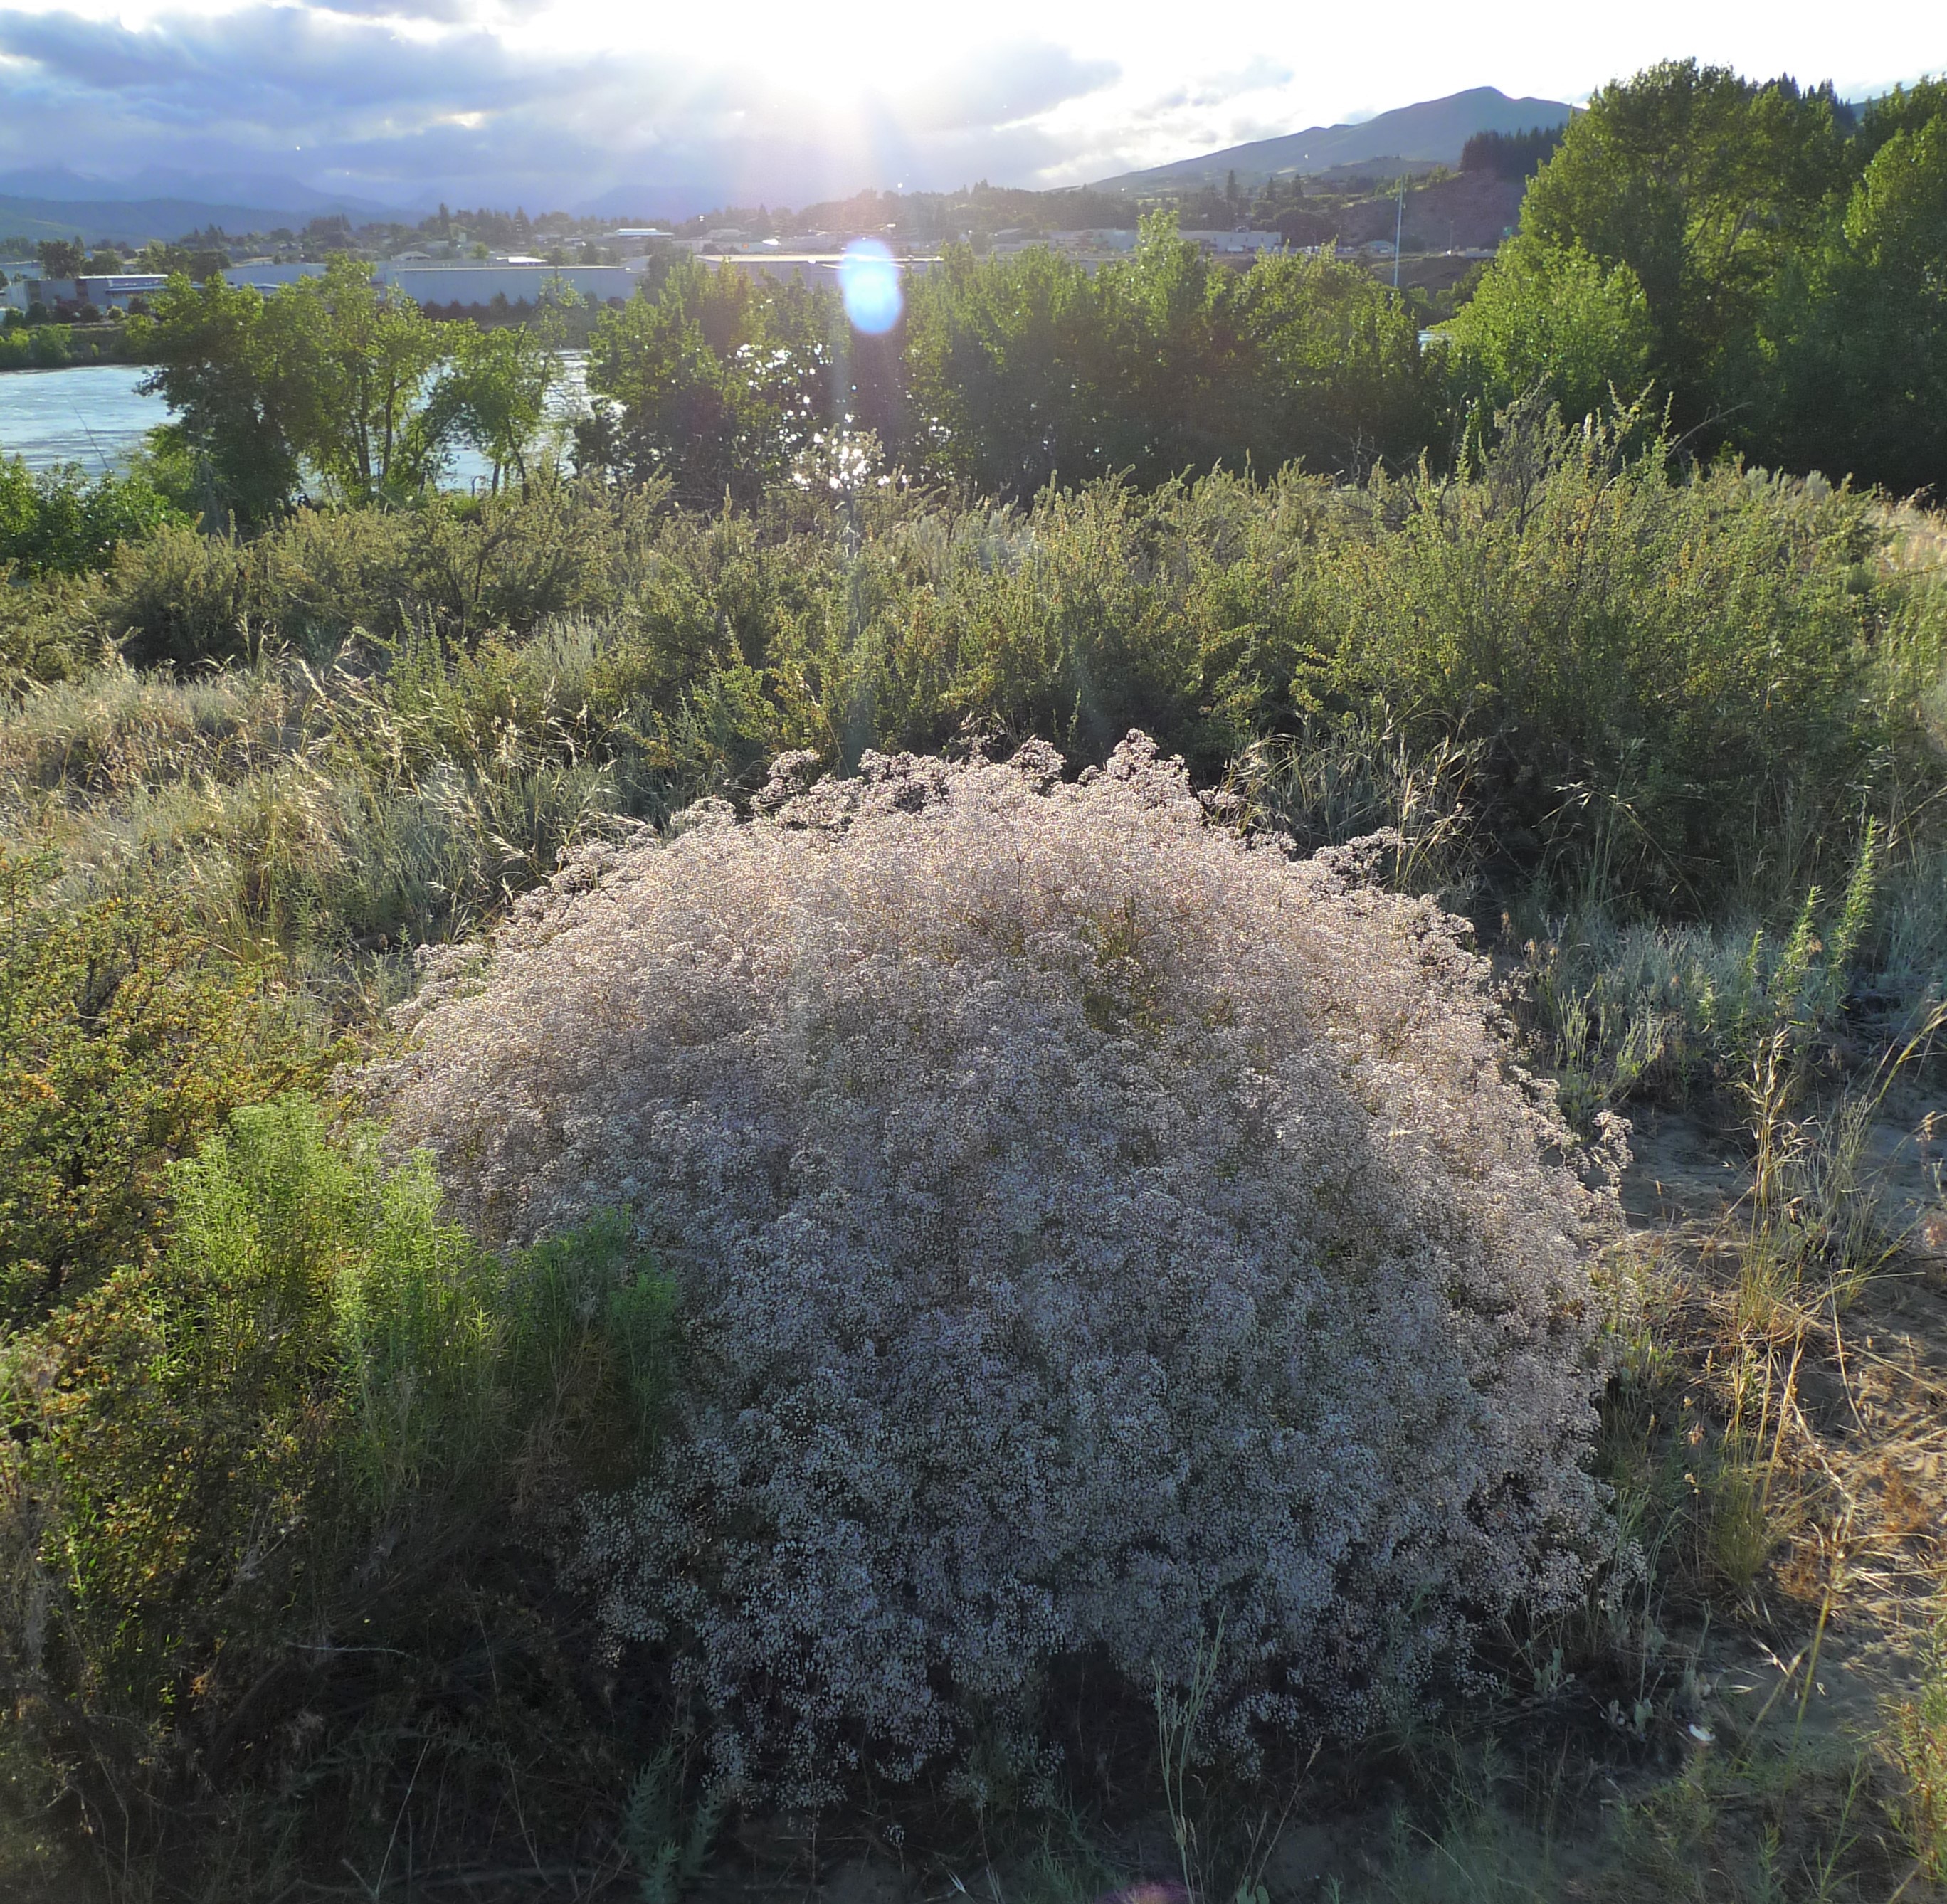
[1258, 75]
[403, 100]
[1002, 86]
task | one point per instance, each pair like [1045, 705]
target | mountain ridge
[1429, 131]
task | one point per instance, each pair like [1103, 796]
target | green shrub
[1688, 689]
[273, 1508]
[122, 1040]
[1672, 699]
[319, 579]
[1029, 370]
[59, 522]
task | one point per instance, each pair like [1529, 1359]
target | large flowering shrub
[1089, 1227]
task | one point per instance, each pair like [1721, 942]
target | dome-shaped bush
[1089, 1227]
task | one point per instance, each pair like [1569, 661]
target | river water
[95, 415]
[92, 415]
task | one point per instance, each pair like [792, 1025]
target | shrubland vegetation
[649, 1170]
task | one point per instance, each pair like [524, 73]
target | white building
[468, 283]
[481, 284]
[804, 267]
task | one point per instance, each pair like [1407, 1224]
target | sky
[670, 108]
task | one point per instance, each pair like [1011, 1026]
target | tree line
[334, 382]
[1772, 262]
[1762, 263]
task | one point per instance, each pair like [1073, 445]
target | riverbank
[59, 346]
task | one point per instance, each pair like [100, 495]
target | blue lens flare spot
[868, 276]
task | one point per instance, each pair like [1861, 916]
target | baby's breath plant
[1087, 1224]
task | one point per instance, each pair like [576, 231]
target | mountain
[1431, 132]
[135, 221]
[52, 202]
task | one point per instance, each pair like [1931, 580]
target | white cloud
[557, 101]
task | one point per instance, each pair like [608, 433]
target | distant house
[637, 240]
[725, 241]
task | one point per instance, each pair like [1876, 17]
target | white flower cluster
[1090, 1226]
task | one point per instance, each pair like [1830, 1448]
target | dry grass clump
[1091, 1228]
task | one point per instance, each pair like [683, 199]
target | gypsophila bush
[1089, 1226]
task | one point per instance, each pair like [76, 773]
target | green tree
[230, 394]
[1906, 109]
[718, 383]
[1001, 354]
[1554, 319]
[353, 359]
[1848, 370]
[493, 395]
[1337, 377]
[61, 257]
[1706, 185]
[1025, 369]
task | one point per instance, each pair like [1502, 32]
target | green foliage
[669, 1848]
[1789, 268]
[1027, 370]
[270, 1494]
[122, 1041]
[1510, 155]
[493, 396]
[1680, 683]
[1678, 697]
[718, 384]
[226, 389]
[1554, 320]
[353, 360]
[62, 257]
[1848, 368]
[52, 347]
[1705, 185]
[317, 579]
[1011, 372]
[58, 521]
[1918, 1742]
[329, 375]
[1679, 1011]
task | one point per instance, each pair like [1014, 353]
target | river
[95, 415]
[92, 414]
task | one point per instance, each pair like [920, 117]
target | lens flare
[868, 276]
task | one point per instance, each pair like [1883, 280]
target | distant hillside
[1469, 211]
[136, 220]
[1431, 132]
[251, 190]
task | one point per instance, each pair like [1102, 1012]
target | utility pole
[1399, 229]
